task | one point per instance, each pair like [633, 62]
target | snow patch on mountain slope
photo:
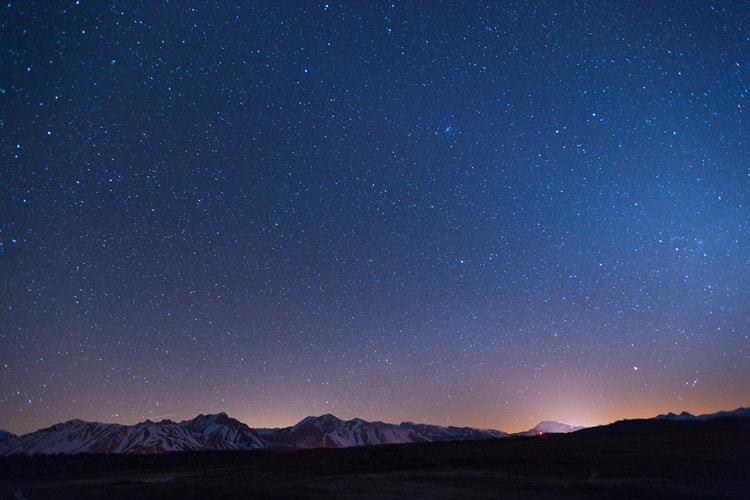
[213, 432]
[551, 427]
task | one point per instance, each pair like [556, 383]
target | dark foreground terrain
[632, 459]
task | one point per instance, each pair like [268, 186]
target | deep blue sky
[450, 212]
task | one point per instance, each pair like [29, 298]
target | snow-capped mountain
[739, 412]
[220, 432]
[205, 432]
[328, 431]
[451, 433]
[551, 427]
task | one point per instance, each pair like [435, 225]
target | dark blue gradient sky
[468, 213]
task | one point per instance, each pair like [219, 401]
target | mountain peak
[214, 417]
[551, 427]
[322, 419]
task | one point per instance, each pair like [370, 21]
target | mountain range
[221, 432]
[739, 412]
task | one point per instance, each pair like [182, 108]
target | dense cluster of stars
[468, 213]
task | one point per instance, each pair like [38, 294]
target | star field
[465, 213]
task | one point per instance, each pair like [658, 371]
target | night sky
[465, 214]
